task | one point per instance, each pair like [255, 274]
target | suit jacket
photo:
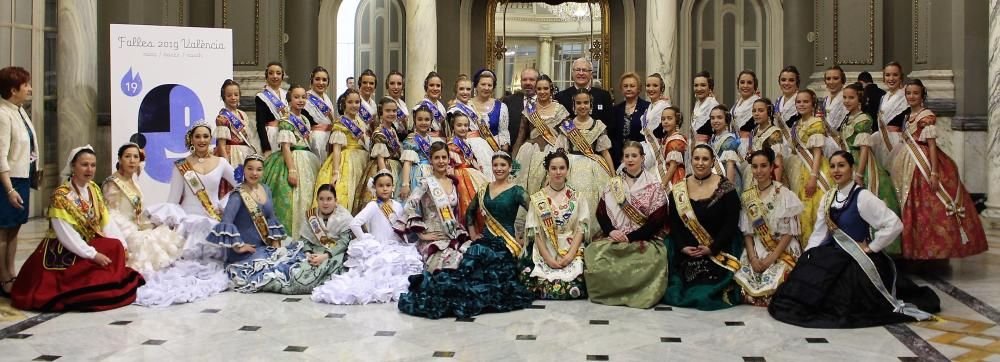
[515, 105]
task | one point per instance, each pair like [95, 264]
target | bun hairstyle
[369, 73]
[288, 95]
[278, 64]
[317, 70]
[392, 73]
[768, 106]
[725, 110]
[663, 85]
[918, 83]
[659, 132]
[125, 147]
[430, 76]
[452, 117]
[708, 76]
[544, 77]
[558, 153]
[438, 146]
[423, 108]
[584, 91]
[705, 147]
[897, 65]
[226, 84]
[503, 155]
[857, 87]
[756, 83]
[811, 95]
[846, 155]
[382, 102]
[843, 77]
[461, 78]
[634, 144]
[792, 69]
[326, 187]
[766, 152]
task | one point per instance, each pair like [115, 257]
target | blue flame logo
[131, 84]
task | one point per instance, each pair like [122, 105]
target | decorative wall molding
[870, 24]
[921, 31]
[817, 31]
[256, 32]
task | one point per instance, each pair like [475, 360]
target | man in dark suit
[583, 76]
[872, 97]
[515, 106]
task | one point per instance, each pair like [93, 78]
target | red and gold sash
[319, 228]
[686, 212]
[580, 143]
[543, 129]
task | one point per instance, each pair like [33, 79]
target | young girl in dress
[291, 173]
[386, 152]
[464, 164]
[770, 226]
[765, 135]
[674, 144]
[235, 134]
[416, 152]
[431, 214]
[726, 145]
[345, 165]
[379, 261]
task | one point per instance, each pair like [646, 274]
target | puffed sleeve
[820, 229]
[675, 156]
[504, 137]
[338, 137]
[71, 240]
[816, 141]
[222, 128]
[745, 223]
[885, 222]
[603, 143]
[729, 155]
[285, 136]
[788, 212]
[379, 150]
[409, 156]
[862, 139]
[929, 132]
[225, 233]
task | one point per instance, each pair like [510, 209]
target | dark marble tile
[21, 326]
[46, 357]
[250, 328]
[154, 342]
[526, 337]
[120, 323]
[335, 315]
[974, 303]
[211, 311]
[735, 324]
[915, 343]
[816, 340]
[599, 322]
[291, 300]
[597, 357]
[295, 349]
[19, 336]
[536, 306]
[909, 359]
[754, 359]
[444, 354]
[465, 319]
[385, 333]
[670, 339]
[663, 309]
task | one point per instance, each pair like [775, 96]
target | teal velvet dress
[486, 279]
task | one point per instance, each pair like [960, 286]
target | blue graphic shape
[131, 85]
[165, 115]
[238, 174]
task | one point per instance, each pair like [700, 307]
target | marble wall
[77, 80]
[993, 105]
[661, 39]
[421, 46]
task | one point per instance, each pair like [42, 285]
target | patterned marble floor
[269, 327]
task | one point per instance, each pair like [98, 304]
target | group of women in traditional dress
[768, 204]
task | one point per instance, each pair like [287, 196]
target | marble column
[76, 80]
[545, 55]
[993, 105]
[661, 40]
[302, 28]
[421, 46]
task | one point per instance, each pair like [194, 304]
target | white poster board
[164, 79]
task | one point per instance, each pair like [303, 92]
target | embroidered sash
[484, 128]
[318, 228]
[391, 139]
[365, 114]
[423, 145]
[353, 127]
[536, 120]
[387, 211]
[88, 223]
[804, 155]
[193, 181]
[719, 168]
[496, 228]
[440, 199]
[274, 103]
[580, 143]
[850, 246]
[435, 111]
[686, 212]
[238, 127]
[299, 125]
[832, 132]
[953, 205]
[618, 189]
[133, 197]
[661, 165]
[462, 145]
[256, 215]
[544, 210]
[321, 105]
[756, 212]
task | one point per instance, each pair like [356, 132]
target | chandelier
[569, 11]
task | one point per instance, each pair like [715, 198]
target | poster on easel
[164, 80]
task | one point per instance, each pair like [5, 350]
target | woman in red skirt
[80, 265]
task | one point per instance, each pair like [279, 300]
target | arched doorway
[379, 38]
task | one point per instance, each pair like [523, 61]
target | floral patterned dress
[571, 214]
